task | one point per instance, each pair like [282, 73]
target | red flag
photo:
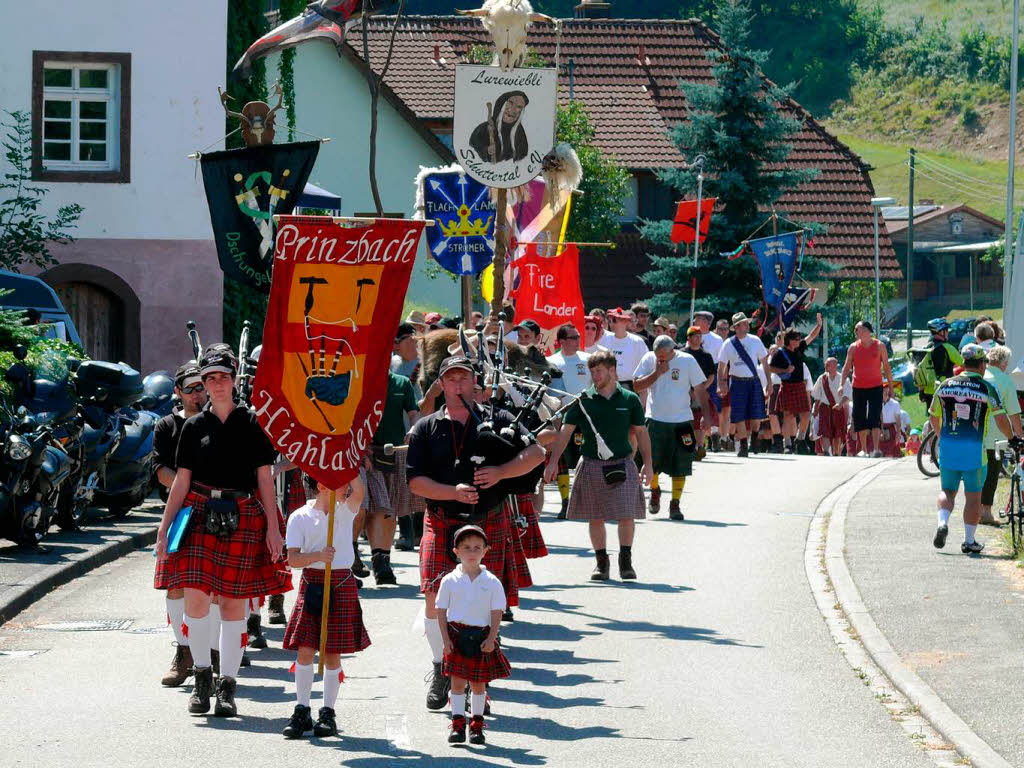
[685, 222]
[549, 291]
[337, 290]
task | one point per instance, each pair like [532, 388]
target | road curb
[878, 647]
[49, 578]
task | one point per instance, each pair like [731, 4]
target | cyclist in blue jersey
[960, 413]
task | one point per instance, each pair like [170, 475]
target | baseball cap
[618, 312]
[187, 374]
[465, 531]
[705, 313]
[405, 330]
[529, 325]
[432, 317]
[217, 359]
[973, 352]
[456, 361]
[692, 330]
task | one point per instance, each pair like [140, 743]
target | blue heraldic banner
[463, 240]
[776, 258]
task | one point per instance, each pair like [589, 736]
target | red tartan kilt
[532, 538]
[346, 632]
[481, 669]
[831, 421]
[437, 559]
[890, 442]
[236, 567]
[793, 397]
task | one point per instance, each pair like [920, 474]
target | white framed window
[81, 114]
[80, 111]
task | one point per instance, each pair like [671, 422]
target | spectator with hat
[433, 320]
[527, 333]
[417, 320]
[710, 342]
[705, 410]
[627, 347]
[593, 333]
[405, 361]
[661, 327]
[738, 368]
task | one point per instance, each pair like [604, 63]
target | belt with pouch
[221, 509]
[220, 493]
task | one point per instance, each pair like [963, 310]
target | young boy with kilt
[306, 540]
[469, 605]
[670, 375]
[441, 468]
[606, 489]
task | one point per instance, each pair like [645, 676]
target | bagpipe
[246, 363]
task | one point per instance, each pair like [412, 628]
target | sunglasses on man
[192, 389]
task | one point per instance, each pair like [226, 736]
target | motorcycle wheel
[70, 513]
[29, 534]
[119, 511]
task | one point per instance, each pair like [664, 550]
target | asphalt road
[717, 656]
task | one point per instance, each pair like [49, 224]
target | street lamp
[876, 203]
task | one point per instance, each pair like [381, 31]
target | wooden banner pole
[500, 251]
[326, 608]
[467, 298]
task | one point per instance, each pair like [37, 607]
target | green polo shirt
[400, 400]
[613, 416]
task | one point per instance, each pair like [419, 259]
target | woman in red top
[867, 359]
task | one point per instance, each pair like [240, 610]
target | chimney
[593, 9]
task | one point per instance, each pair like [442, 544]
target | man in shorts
[960, 415]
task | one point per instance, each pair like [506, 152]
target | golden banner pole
[325, 610]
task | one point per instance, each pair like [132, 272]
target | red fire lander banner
[336, 299]
[548, 291]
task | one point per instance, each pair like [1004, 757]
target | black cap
[405, 330]
[529, 325]
[186, 371]
[456, 361]
[465, 531]
[218, 358]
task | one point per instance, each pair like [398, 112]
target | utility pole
[910, 256]
[1008, 258]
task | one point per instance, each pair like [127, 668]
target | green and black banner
[245, 189]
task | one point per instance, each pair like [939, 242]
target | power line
[965, 186]
[953, 172]
[961, 190]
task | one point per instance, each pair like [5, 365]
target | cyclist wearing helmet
[939, 361]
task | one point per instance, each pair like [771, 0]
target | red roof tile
[632, 106]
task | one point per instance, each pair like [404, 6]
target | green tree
[736, 124]
[246, 24]
[26, 233]
[594, 214]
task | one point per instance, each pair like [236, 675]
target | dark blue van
[19, 291]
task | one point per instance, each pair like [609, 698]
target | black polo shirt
[436, 441]
[165, 441]
[707, 363]
[225, 454]
[783, 358]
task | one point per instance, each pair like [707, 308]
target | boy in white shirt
[469, 605]
[306, 540]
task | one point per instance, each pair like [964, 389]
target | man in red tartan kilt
[232, 542]
[445, 465]
[794, 403]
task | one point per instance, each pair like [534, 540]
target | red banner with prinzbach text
[336, 299]
[548, 291]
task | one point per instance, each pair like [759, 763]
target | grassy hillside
[891, 176]
[959, 14]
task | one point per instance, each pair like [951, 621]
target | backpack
[924, 374]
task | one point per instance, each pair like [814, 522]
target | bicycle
[928, 454]
[1014, 512]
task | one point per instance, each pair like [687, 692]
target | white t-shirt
[628, 351]
[905, 420]
[711, 343]
[891, 412]
[575, 374]
[669, 398]
[835, 384]
[470, 601]
[307, 531]
[594, 348]
[755, 349]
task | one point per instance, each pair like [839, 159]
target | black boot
[741, 448]
[777, 444]
[381, 564]
[476, 730]
[626, 564]
[225, 706]
[275, 610]
[507, 615]
[405, 534]
[326, 725]
[255, 631]
[602, 570]
[458, 734]
[437, 693]
[654, 505]
[299, 724]
[564, 511]
[199, 701]
[358, 569]
[674, 512]
[716, 442]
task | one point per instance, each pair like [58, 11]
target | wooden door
[99, 317]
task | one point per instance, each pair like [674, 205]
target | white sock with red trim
[198, 637]
[215, 623]
[433, 630]
[331, 685]
[232, 643]
[303, 683]
[175, 617]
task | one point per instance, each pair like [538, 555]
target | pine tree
[735, 123]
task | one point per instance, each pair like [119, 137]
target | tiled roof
[632, 105]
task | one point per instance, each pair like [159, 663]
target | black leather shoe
[275, 610]
[199, 701]
[358, 568]
[246, 662]
[564, 511]
[437, 693]
[476, 730]
[507, 615]
[382, 571]
[225, 706]
[458, 734]
[674, 512]
[326, 725]
[654, 504]
[255, 631]
[299, 724]
[626, 566]
[602, 570]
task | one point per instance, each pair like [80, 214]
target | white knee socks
[199, 639]
[477, 701]
[215, 622]
[231, 647]
[175, 617]
[331, 686]
[433, 630]
[458, 704]
[303, 683]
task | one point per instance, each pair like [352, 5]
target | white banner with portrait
[504, 122]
